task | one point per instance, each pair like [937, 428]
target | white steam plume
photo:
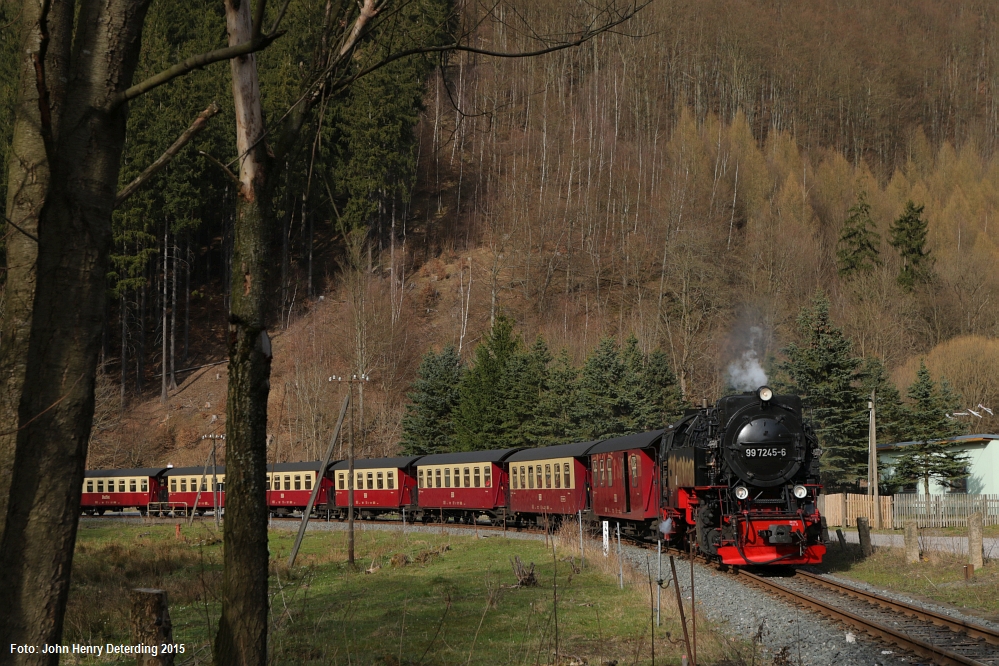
[746, 374]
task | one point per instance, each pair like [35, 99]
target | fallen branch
[199, 124]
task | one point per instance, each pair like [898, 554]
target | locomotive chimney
[704, 403]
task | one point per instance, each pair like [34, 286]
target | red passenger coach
[463, 486]
[191, 489]
[549, 481]
[626, 481]
[381, 485]
[120, 489]
[289, 486]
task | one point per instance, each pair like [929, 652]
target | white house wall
[983, 468]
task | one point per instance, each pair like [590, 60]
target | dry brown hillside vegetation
[687, 182]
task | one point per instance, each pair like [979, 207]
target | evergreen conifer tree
[908, 236]
[428, 425]
[607, 393]
[824, 372]
[559, 411]
[660, 400]
[858, 241]
[524, 386]
[930, 457]
[481, 419]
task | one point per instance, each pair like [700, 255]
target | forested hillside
[698, 187]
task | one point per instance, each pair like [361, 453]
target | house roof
[493, 456]
[639, 440]
[576, 450]
[970, 440]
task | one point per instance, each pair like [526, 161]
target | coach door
[628, 482]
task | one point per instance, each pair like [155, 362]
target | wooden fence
[945, 510]
[843, 509]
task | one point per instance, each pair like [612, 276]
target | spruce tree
[908, 236]
[660, 401]
[824, 372]
[858, 241]
[559, 413]
[607, 393]
[930, 457]
[480, 419]
[525, 384]
[428, 426]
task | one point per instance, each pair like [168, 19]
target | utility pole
[872, 461]
[350, 461]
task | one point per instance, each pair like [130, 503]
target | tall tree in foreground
[824, 372]
[931, 456]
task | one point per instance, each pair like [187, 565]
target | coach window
[478, 479]
[468, 478]
[514, 477]
[537, 471]
[558, 476]
[420, 478]
[131, 485]
[194, 485]
[359, 481]
[390, 477]
[308, 481]
[298, 482]
[173, 486]
[548, 476]
[381, 481]
[610, 471]
[530, 476]
[437, 475]
[90, 486]
[371, 480]
[634, 466]
[447, 478]
[486, 476]
[568, 480]
[267, 483]
[183, 485]
[600, 463]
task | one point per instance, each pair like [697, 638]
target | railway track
[939, 638]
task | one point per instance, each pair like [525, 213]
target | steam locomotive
[736, 482]
[741, 481]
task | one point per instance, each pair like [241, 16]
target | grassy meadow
[413, 598]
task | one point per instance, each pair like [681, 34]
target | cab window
[308, 482]
[447, 478]
[568, 480]
[478, 479]
[381, 480]
[487, 476]
[298, 482]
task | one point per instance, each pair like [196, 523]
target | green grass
[452, 603]
[938, 576]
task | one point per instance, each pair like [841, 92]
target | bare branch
[194, 62]
[26, 233]
[369, 10]
[199, 124]
[233, 177]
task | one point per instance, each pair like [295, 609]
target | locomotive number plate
[766, 453]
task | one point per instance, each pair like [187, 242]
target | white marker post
[606, 538]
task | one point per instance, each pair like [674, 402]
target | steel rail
[937, 654]
[969, 628]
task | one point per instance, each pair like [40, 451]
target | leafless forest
[685, 180]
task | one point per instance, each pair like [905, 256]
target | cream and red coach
[625, 481]
[191, 489]
[289, 486]
[549, 481]
[463, 486]
[120, 489]
[381, 486]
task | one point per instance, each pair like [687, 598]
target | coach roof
[378, 463]
[576, 450]
[309, 465]
[195, 471]
[491, 456]
[639, 440]
[142, 471]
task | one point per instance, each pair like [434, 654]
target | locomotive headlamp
[800, 491]
[766, 393]
[741, 492]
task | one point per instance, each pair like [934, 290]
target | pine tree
[480, 417]
[908, 236]
[559, 411]
[829, 378]
[607, 393]
[858, 241]
[525, 384]
[660, 401]
[428, 425]
[928, 426]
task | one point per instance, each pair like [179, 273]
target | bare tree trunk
[82, 143]
[173, 322]
[164, 364]
[187, 298]
[242, 634]
[140, 351]
[123, 314]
